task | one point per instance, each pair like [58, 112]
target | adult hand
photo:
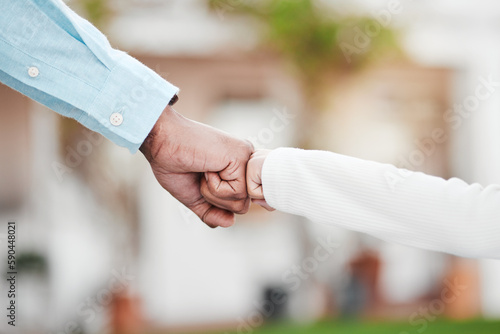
[254, 178]
[202, 167]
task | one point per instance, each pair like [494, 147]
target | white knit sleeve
[392, 204]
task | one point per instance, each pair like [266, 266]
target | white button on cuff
[116, 119]
[33, 72]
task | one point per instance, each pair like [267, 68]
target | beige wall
[205, 81]
[14, 147]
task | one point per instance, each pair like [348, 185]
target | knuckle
[249, 145]
[245, 149]
[253, 193]
[242, 207]
[242, 192]
[240, 196]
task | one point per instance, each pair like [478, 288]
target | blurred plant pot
[126, 317]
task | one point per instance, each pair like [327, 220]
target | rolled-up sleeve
[52, 55]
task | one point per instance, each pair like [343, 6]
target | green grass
[358, 327]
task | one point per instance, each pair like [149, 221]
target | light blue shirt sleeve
[53, 56]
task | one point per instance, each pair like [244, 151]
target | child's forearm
[394, 205]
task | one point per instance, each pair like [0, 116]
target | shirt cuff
[129, 104]
[276, 179]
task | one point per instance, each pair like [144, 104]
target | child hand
[254, 178]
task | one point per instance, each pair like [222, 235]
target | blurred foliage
[313, 37]
[96, 11]
[321, 46]
[31, 263]
[372, 327]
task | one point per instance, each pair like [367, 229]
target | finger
[237, 206]
[213, 216]
[254, 174]
[225, 189]
[235, 176]
[217, 217]
[263, 204]
[255, 190]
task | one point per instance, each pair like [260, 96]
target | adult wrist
[150, 145]
[147, 147]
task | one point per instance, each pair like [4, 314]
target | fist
[254, 178]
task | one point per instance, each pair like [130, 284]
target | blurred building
[121, 252]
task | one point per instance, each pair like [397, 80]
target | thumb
[212, 215]
[263, 204]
